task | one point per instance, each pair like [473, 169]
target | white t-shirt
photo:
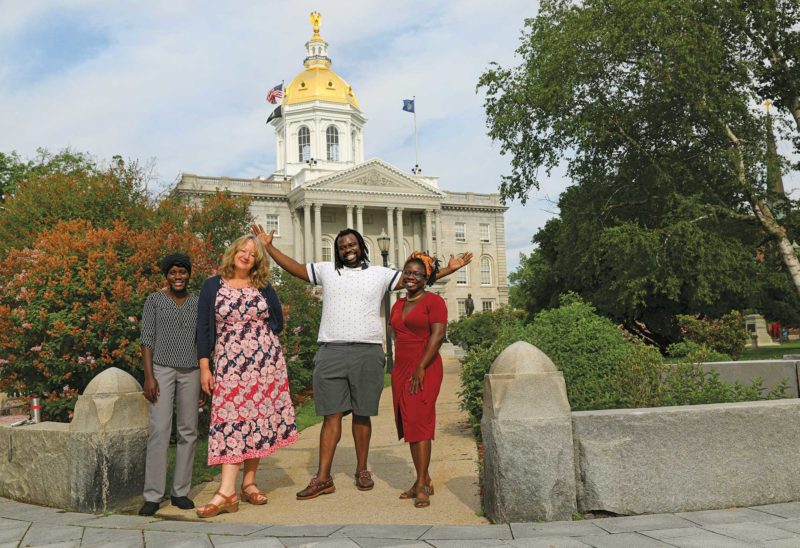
[351, 301]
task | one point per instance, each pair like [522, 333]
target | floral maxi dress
[251, 411]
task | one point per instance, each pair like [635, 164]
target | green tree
[220, 218]
[650, 105]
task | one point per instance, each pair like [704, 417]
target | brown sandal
[411, 493]
[420, 502]
[257, 498]
[209, 510]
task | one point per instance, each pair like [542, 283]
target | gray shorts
[348, 377]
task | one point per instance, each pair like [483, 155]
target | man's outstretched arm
[452, 265]
[281, 259]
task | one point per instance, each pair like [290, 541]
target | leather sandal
[230, 506]
[422, 502]
[257, 497]
[411, 493]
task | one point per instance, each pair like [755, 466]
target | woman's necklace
[414, 299]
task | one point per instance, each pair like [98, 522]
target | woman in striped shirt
[169, 358]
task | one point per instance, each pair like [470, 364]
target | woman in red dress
[419, 322]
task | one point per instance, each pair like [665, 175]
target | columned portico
[317, 233]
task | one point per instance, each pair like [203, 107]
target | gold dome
[319, 83]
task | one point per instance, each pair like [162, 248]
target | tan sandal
[209, 510]
[423, 502]
[411, 493]
[257, 498]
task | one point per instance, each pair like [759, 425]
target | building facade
[322, 184]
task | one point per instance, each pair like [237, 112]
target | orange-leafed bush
[70, 304]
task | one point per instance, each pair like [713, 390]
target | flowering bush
[70, 305]
[725, 335]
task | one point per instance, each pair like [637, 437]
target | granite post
[529, 472]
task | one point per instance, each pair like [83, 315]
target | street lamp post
[383, 244]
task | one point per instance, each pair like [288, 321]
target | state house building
[322, 184]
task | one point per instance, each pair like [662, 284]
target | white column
[428, 231]
[360, 219]
[438, 217]
[297, 235]
[307, 239]
[317, 232]
[401, 259]
[349, 217]
[390, 227]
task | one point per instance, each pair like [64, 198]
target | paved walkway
[454, 470]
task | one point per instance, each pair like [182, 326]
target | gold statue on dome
[316, 19]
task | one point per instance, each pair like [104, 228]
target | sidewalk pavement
[776, 525]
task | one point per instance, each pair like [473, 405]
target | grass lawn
[773, 353]
[304, 414]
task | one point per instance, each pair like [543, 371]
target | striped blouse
[169, 330]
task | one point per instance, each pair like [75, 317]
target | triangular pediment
[373, 176]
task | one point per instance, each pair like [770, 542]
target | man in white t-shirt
[348, 367]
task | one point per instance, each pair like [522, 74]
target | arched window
[486, 271]
[304, 144]
[332, 142]
[327, 249]
[353, 146]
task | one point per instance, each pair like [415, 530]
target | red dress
[415, 414]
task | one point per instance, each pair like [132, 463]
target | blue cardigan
[207, 315]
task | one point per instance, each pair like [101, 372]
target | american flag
[275, 93]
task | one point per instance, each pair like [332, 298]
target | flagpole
[285, 135]
[416, 143]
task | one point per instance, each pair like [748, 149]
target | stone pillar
[317, 232]
[297, 236]
[529, 463]
[400, 258]
[349, 217]
[307, 239]
[438, 246]
[390, 233]
[428, 231]
[360, 219]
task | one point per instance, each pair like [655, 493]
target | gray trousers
[182, 385]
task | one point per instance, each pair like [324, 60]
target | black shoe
[184, 503]
[149, 508]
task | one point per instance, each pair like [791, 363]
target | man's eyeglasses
[410, 274]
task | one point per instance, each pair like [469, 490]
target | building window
[353, 145]
[488, 305]
[486, 271]
[271, 222]
[461, 232]
[484, 232]
[433, 230]
[332, 142]
[304, 144]
[461, 277]
[462, 308]
[327, 250]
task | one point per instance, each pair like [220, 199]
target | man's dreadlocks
[363, 258]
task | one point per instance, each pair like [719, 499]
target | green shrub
[725, 335]
[692, 352]
[602, 368]
[481, 329]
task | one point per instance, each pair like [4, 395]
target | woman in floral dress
[239, 317]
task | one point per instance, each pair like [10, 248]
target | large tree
[656, 110]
